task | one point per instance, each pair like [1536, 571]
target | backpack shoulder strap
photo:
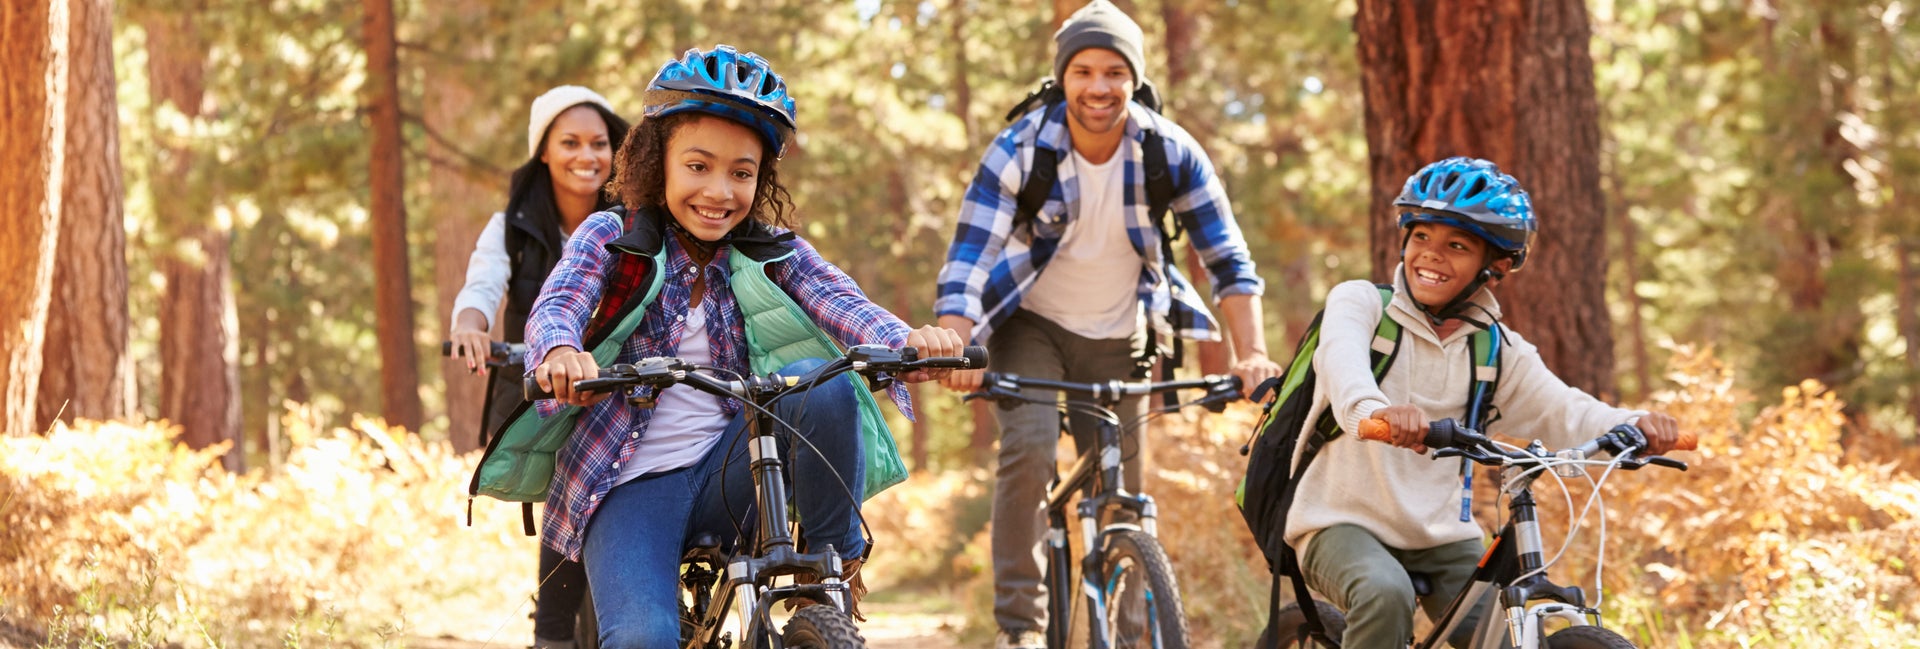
[1386, 336]
[1486, 377]
[1040, 181]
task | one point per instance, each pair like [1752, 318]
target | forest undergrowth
[1791, 529]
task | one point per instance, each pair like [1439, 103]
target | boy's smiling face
[1441, 260]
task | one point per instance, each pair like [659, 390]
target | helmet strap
[1457, 307]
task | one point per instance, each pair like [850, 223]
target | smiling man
[1060, 268]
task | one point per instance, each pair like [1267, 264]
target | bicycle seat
[705, 547]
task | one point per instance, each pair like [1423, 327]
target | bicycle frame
[1516, 550]
[1100, 482]
[750, 572]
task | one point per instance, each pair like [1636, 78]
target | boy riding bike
[705, 262]
[1366, 514]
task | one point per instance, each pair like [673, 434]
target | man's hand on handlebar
[1252, 371]
[1408, 423]
[933, 341]
[564, 365]
[962, 381]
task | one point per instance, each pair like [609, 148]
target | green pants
[1368, 580]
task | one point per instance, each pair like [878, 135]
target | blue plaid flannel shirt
[990, 267]
[608, 432]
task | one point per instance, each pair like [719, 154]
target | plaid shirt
[608, 432]
[990, 267]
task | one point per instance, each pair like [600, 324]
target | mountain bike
[500, 356]
[1514, 563]
[1128, 585]
[717, 584]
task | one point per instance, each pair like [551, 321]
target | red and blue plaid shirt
[607, 433]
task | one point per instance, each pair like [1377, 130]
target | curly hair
[640, 179]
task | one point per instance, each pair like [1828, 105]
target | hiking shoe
[856, 588]
[1019, 640]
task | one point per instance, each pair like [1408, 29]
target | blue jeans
[634, 543]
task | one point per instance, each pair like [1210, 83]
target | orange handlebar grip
[1376, 430]
[1686, 442]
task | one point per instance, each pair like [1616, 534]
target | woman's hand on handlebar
[470, 340]
[933, 341]
[1662, 432]
[564, 365]
[1408, 423]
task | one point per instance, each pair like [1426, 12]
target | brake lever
[1662, 460]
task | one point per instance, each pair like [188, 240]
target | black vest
[533, 248]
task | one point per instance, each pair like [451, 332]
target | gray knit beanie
[1099, 24]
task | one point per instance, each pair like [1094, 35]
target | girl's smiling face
[713, 173]
[1441, 260]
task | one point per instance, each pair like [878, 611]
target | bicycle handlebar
[662, 372]
[1454, 439]
[1005, 388]
[499, 354]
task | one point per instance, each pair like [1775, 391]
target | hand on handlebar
[562, 367]
[1406, 424]
[933, 341]
[1663, 433]
[472, 345]
[1252, 371]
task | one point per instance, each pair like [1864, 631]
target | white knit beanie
[549, 106]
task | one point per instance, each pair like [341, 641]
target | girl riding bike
[705, 260]
[1366, 515]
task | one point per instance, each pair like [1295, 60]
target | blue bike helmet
[725, 82]
[1473, 195]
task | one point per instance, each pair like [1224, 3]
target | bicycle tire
[821, 627]
[1136, 575]
[1289, 626]
[1587, 637]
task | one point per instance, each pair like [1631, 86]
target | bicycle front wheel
[1587, 637]
[1142, 600]
[822, 627]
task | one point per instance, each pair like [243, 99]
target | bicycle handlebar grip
[1376, 430]
[530, 388]
[976, 357]
[1687, 442]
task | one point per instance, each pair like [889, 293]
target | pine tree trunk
[199, 377]
[33, 51]
[1909, 319]
[1511, 82]
[393, 287]
[1636, 323]
[461, 203]
[88, 372]
[962, 88]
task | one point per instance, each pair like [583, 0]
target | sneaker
[1019, 640]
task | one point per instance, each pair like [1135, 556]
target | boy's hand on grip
[1406, 427]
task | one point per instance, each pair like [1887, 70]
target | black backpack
[1045, 174]
[1266, 493]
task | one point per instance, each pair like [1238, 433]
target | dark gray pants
[1030, 345]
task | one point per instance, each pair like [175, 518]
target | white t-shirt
[1091, 286]
[686, 422]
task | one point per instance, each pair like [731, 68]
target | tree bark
[962, 88]
[33, 50]
[1636, 323]
[461, 205]
[199, 375]
[88, 372]
[393, 289]
[1511, 82]
[1909, 319]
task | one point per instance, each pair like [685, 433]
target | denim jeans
[634, 542]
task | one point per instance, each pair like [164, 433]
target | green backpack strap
[519, 463]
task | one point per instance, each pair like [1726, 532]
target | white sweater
[487, 271]
[1408, 500]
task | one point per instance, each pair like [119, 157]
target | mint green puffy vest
[519, 464]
